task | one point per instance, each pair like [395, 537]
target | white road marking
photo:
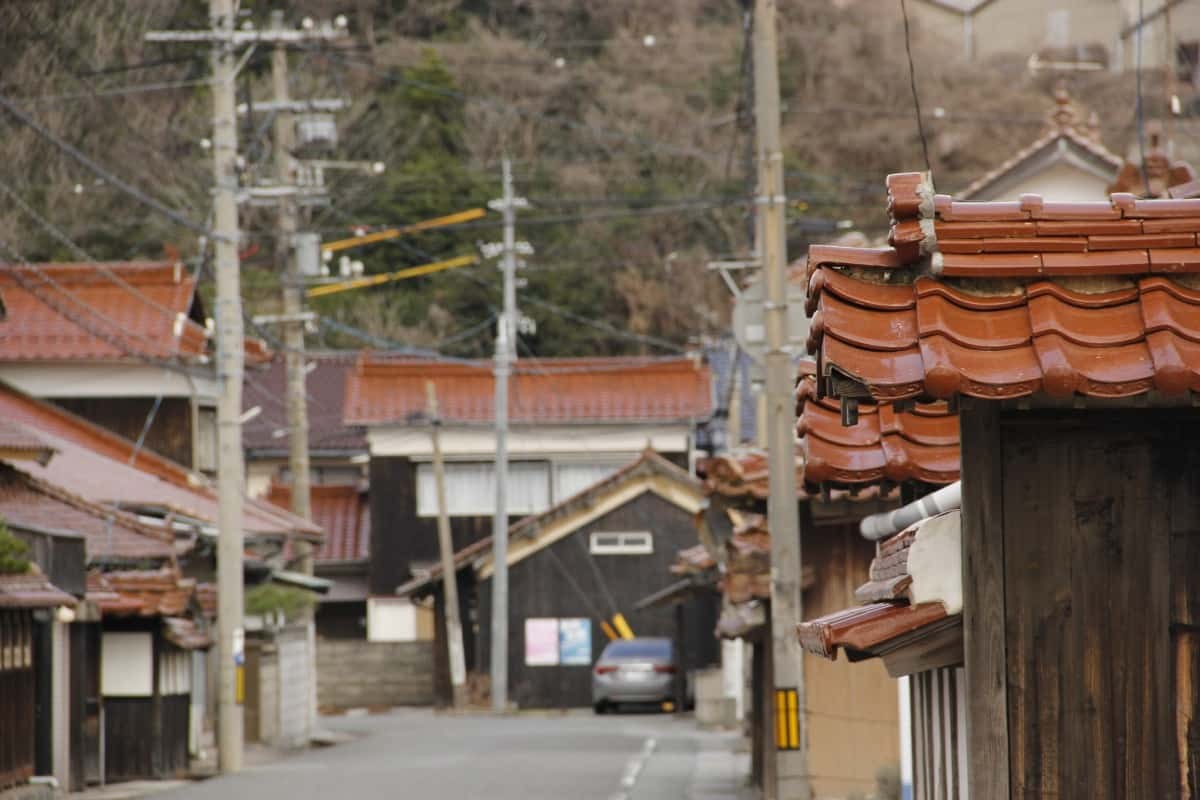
[633, 768]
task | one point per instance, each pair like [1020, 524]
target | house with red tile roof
[1067, 161]
[574, 567]
[1067, 335]
[573, 421]
[124, 344]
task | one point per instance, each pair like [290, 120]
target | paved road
[427, 756]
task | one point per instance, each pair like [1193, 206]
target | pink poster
[541, 642]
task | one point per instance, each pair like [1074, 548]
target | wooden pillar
[983, 602]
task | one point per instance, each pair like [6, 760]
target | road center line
[633, 768]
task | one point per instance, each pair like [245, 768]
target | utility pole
[293, 295]
[454, 636]
[230, 343]
[789, 778]
[506, 332]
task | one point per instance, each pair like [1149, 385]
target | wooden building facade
[572, 423]
[1066, 333]
[573, 568]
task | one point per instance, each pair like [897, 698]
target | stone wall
[355, 673]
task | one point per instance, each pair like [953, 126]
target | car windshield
[639, 648]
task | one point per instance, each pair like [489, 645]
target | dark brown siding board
[1185, 618]
[170, 432]
[400, 538]
[538, 588]
[1086, 546]
[983, 603]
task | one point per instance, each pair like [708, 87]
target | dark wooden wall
[399, 538]
[146, 738]
[539, 586]
[170, 432]
[1081, 534]
[16, 697]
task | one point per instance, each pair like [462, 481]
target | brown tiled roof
[145, 593]
[915, 444]
[865, 627]
[72, 311]
[1008, 299]
[342, 512]
[693, 560]
[384, 390]
[109, 535]
[185, 633]
[102, 467]
[31, 590]
[326, 386]
[17, 442]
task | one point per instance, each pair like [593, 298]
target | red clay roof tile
[342, 512]
[31, 590]
[865, 627]
[384, 390]
[143, 311]
[1118, 330]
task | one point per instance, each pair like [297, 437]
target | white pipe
[886, 523]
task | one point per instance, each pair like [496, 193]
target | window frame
[629, 543]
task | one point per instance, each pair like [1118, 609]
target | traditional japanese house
[122, 344]
[1067, 336]
[572, 423]
[146, 681]
[133, 594]
[572, 569]
[24, 671]
[852, 720]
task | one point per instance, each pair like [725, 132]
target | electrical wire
[1139, 112]
[912, 82]
[98, 170]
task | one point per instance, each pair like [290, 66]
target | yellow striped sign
[787, 719]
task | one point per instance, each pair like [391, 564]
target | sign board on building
[575, 642]
[541, 642]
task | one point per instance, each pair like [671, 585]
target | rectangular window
[471, 489]
[622, 543]
[572, 477]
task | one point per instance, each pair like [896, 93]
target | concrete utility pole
[790, 780]
[454, 635]
[506, 333]
[230, 357]
[293, 295]
[230, 342]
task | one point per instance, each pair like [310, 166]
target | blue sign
[575, 642]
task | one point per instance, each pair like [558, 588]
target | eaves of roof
[1005, 300]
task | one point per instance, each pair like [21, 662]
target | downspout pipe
[886, 523]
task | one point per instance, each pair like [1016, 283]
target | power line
[70, 244]
[1139, 112]
[101, 172]
[912, 82]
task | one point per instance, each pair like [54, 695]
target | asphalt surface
[574, 756]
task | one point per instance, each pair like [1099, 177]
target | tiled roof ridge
[129, 278]
[118, 516]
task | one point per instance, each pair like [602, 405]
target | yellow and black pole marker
[787, 719]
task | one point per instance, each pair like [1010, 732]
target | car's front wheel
[600, 706]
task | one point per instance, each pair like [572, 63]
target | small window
[625, 543]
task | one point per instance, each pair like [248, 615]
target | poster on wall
[541, 642]
[575, 642]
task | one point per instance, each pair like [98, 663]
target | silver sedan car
[634, 671]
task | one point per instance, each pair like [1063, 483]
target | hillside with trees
[628, 123]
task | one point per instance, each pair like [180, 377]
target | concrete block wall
[355, 673]
[295, 687]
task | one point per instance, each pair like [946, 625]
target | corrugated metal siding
[939, 719]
